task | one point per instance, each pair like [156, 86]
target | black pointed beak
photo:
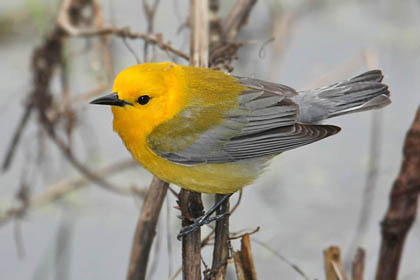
[110, 99]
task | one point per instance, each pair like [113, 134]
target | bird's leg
[205, 219]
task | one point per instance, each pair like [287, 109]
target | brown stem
[190, 202]
[146, 229]
[402, 208]
[244, 262]
[191, 208]
[221, 242]
[66, 25]
[16, 137]
[358, 266]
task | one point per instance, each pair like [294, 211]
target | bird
[211, 132]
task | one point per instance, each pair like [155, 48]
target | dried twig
[241, 233]
[238, 202]
[127, 33]
[157, 40]
[402, 208]
[146, 229]
[223, 51]
[358, 267]
[244, 263]
[149, 12]
[333, 266]
[16, 136]
[282, 258]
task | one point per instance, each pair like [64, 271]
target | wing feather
[263, 125]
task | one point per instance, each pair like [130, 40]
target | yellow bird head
[144, 95]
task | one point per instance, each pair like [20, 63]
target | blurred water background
[308, 199]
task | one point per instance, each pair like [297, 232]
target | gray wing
[264, 125]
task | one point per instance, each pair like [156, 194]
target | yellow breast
[207, 178]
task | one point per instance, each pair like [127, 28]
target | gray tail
[361, 93]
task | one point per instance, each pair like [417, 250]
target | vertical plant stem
[244, 262]
[146, 229]
[358, 266]
[221, 242]
[190, 202]
[199, 36]
[191, 208]
[402, 209]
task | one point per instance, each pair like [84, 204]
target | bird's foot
[199, 222]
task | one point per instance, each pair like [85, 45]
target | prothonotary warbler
[211, 132]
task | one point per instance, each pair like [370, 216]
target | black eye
[143, 100]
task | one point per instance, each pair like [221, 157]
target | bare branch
[119, 32]
[402, 209]
[146, 229]
[191, 208]
[204, 242]
[358, 267]
[221, 242]
[149, 12]
[223, 51]
[16, 137]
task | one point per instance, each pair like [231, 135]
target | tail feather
[361, 93]
[369, 76]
